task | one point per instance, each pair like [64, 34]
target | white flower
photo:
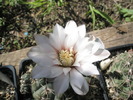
[66, 56]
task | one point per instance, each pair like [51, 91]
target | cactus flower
[67, 56]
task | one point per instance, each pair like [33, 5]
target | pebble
[105, 63]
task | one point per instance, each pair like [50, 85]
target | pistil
[66, 58]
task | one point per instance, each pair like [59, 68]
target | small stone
[26, 33]
[105, 63]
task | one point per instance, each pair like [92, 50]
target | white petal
[40, 58]
[66, 70]
[99, 41]
[71, 27]
[71, 40]
[81, 44]
[47, 72]
[94, 58]
[61, 84]
[56, 62]
[41, 39]
[76, 63]
[59, 34]
[88, 69]
[90, 46]
[71, 30]
[83, 49]
[40, 72]
[52, 55]
[44, 43]
[58, 30]
[55, 71]
[78, 82]
[98, 46]
[81, 55]
[82, 31]
[55, 42]
[91, 37]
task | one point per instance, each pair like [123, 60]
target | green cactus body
[120, 77]
[36, 84]
[26, 77]
[45, 92]
[25, 83]
[39, 89]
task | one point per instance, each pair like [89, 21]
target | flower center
[66, 58]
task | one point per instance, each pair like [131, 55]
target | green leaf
[37, 3]
[127, 14]
[88, 12]
[15, 42]
[127, 19]
[93, 15]
[127, 11]
[131, 17]
[105, 16]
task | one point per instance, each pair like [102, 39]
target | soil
[20, 19]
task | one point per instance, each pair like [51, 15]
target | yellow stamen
[66, 58]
